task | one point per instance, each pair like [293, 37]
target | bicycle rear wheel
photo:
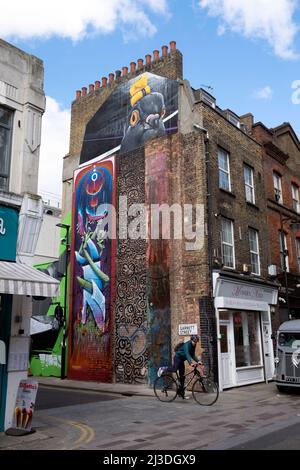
[205, 391]
[165, 388]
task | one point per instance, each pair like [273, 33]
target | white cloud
[271, 20]
[265, 93]
[75, 19]
[54, 146]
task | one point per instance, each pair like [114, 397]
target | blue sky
[247, 50]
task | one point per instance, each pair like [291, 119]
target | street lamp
[63, 345]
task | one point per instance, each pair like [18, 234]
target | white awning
[20, 279]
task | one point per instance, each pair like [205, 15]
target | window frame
[9, 128]
[231, 245]
[281, 252]
[247, 185]
[254, 253]
[298, 251]
[277, 177]
[295, 191]
[225, 172]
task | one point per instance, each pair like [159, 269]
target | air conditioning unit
[272, 270]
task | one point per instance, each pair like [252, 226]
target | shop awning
[19, 279]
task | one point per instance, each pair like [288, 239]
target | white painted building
[47, 249]
[22, 104]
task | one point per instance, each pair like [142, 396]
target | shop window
[247, 339]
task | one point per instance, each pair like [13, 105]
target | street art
[92, 274]
[131, 327]
[137, 110]
[46, 328]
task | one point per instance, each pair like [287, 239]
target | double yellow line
[87, 432]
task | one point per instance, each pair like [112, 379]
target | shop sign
[188, 329]
[238, 292]
[25, 403]
[9, 218]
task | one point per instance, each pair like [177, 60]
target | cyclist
[184, 352]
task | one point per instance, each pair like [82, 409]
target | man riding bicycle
[185, 352]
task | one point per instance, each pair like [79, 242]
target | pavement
[112, 388]
[134, 419]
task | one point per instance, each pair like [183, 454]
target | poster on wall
[24, 407]
[138, 110]
[92, 273]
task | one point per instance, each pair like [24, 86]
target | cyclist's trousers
[178, 365]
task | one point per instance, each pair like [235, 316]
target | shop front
[243, 317]
[18, 284]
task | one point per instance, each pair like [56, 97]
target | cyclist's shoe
[161, 370]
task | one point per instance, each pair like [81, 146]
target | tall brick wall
[130, 347]
[286, 165]
[242, 149]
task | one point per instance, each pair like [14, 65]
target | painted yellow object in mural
[139, 89]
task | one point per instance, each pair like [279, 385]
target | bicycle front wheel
[205, 392]
[165, 388]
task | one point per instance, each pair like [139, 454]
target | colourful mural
[92, 274]
[47, 332]
[137, 110]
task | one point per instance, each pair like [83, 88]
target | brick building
[133, 298]
[281, 157]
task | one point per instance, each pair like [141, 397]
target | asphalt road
[50, 397]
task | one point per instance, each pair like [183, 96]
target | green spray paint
[47, 362]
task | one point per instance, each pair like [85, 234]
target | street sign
[188, 329]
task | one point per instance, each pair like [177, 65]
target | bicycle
[205, 391]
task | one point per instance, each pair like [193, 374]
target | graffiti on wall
[131, 351]
[92, 274]
[46, 326]
[138, 110]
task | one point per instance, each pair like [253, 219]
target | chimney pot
[148, 59]
[104, 82]
[97, 85]
[91, 88]
[125, 71]
[156, 54]
[173, 46]
[78, 94]
[132, 67]
[84, 90]
[164, 51]
[140, 63]
[118, 74]
[111, 77]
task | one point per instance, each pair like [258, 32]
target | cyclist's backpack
[178, 346]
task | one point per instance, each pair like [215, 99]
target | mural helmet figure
[146, 116]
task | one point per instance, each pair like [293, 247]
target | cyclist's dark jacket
[186, 352]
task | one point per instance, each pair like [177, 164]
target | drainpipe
[209, 232]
